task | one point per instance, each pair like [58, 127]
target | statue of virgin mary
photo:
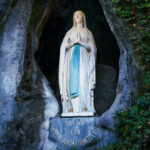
[77, 69]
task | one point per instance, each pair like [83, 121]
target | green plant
[133, 124]
[135, 14]
[133, 127]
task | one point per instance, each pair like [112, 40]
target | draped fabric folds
[77, 71]
[74, 72]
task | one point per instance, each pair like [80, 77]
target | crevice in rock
[47, 55]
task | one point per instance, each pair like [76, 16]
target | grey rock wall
[12, 48]
[27, 101]
[105, 92]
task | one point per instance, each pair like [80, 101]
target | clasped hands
[77, 41]
[71, 44]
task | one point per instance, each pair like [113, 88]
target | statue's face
[78, 17]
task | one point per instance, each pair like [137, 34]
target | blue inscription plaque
[74, 133]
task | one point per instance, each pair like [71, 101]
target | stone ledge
[89, 114]
[79, 133]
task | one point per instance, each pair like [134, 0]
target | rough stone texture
[105, 92]
[12, 48]
[21, 88]
[51, 111]
[127, 84]
[25, 112]
[5, 9]
[79, 133]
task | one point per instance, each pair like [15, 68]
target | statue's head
[79, 17]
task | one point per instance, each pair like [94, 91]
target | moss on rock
[37, 4]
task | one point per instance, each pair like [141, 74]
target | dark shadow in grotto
[107, 68]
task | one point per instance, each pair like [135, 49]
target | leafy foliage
[133, 124]
[133, 127]
[135, 15]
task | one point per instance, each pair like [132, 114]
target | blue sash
[74, 72]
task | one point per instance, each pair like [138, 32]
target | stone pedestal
[90, 114]
[74, 133]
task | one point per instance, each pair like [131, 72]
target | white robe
[87, 71]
